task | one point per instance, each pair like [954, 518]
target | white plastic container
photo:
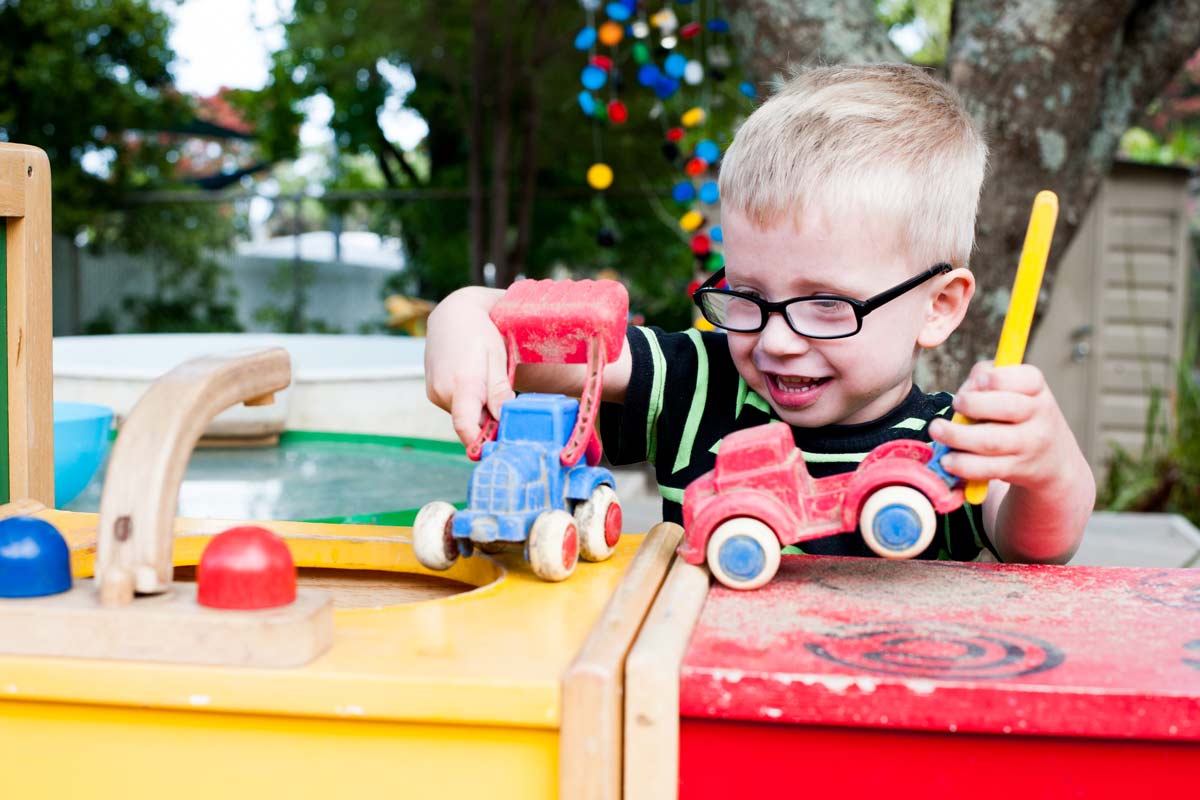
[351, 384]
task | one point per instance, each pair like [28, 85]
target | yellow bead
[600, 176]
[693, 117]
[702, 324]
[691, 220]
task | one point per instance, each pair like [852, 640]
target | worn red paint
[953, 648]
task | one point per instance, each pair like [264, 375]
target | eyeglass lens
[819, 317]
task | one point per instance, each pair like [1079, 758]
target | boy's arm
[466, 363]
[1042, 490]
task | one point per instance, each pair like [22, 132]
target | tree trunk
[501, 146]
[476, 213]
[1053, 85]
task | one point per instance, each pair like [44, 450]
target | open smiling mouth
[787, 384]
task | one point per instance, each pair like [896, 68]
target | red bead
[617, 112]
[692, 287]
[603, 62]
[695, 166]
[701, 245]
[246, 568]
[674, 134]
[689, 30]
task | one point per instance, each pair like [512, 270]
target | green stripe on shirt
[671, 493]
[683, 455]
[911, 424]
[657, 383]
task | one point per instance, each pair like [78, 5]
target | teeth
[795, 384]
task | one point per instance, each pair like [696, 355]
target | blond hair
[888, 140]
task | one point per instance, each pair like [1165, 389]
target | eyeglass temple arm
[891, 294]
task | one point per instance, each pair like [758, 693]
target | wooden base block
[170, 627]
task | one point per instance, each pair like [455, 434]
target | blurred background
[338, 166]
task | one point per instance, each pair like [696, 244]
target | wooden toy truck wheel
[433, 536]
[553, 545]
[743, 553]
[897, 522]
[599, 521]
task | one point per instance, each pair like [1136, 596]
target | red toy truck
[759, 497]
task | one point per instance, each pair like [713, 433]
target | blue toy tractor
[522, 492]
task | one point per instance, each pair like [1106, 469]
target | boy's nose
[779, 339]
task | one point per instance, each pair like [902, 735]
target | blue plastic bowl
[80, 441]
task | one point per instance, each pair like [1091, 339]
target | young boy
[848, 210]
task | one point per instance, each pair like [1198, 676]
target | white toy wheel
[897, 522]
[743, 553]
[553, 545]
[599, 521]
[433, 535]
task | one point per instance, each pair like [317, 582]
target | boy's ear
[947, 306]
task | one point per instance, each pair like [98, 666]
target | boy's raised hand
[1018, 433]
[466, 362]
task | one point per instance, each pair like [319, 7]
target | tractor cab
[519, 475]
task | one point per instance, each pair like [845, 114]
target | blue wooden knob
[34, 559]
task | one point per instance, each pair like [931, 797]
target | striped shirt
[685, 395]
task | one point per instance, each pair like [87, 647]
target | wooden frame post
[26, 396]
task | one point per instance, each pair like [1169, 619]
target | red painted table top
[1077, 651]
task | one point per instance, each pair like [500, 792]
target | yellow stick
[1015, 333]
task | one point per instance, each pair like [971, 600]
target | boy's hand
[1018, 435]
[466, 361]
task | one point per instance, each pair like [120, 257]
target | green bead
[715, 262]
[601, 112]
[641, 54]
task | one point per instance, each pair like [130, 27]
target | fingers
[995, 406]
[1021, 378]
[982, 438]
[499, 390]
[973, 467]
[466, 412]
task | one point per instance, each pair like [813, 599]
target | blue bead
[34, 559]
[747, 88]
[587, 103]
[716, 234]
[709, 193]
[648, 75]
[718, 25]
[675, 65]
[664, 87]
[708, 150]
[683, 192]
[585, 38]
[618, 11]
[593, 77]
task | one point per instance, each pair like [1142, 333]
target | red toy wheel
[553, 546]
[599, 520]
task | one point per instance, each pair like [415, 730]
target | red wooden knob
[246, 568]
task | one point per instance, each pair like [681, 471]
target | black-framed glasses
[818, 316]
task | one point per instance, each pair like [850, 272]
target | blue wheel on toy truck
[897, 522]
[743, 553]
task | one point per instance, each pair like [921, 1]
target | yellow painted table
[454, 697]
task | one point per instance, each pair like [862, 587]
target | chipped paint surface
[945, 646]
